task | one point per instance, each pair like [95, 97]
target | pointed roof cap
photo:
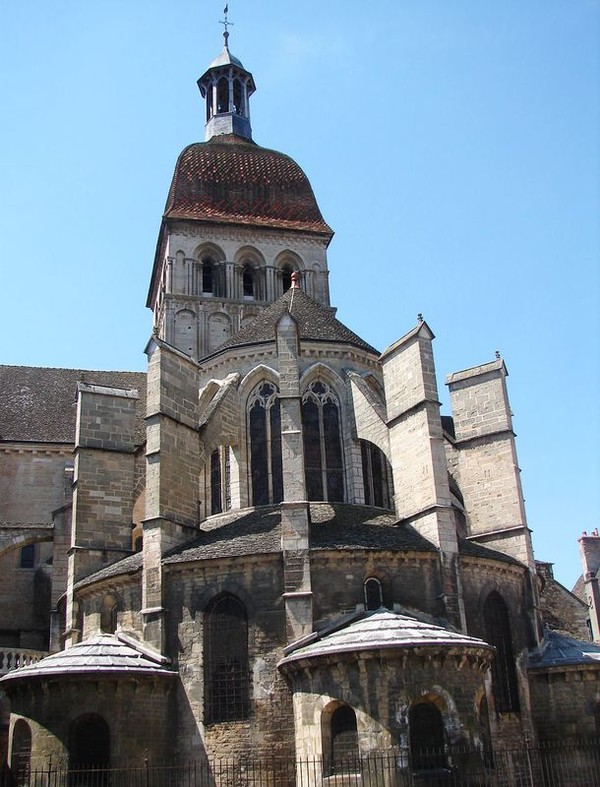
[316, 323]
[225, 58]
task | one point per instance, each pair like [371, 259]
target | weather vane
[225, 22]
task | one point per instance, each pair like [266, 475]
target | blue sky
[453, 146]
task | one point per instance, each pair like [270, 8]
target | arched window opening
[286, 277]
[344, 741]
[138, 544]
[426, 731]
[208, 275]
[20, 759]
[322, 444]
[238, 97]
[377, 476]
[226, 674]
[223, 95]
[89, 747]
[248, 281]
[220, 480]
[108, 615]
[504, 673]
[373, 594]
[264, 427]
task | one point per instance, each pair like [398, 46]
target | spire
[227, 86]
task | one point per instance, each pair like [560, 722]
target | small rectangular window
[28, 556]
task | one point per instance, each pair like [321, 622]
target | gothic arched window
[226, 674]
[323, 463]
[264, 428]
[377, 476]
[426, 730]
[504, 674]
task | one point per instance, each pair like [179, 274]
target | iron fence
[548, 765]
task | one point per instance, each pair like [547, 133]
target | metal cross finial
[225, 22]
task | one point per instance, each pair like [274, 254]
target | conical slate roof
[385, 630]
[316, 323]
[106, 654]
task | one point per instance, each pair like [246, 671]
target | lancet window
[377, 476]
[226, 673]
[504, 674]
[220, 480]
[264, 428]
[323, 463]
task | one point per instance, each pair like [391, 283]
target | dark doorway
[89, 750]
[426, 729]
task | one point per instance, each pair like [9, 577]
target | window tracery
[323, 463]
[264, 429]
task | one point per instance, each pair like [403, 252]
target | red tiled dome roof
[233, 180]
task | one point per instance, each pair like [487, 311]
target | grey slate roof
[384, 630]
[108, 654]
[560, 650]
[126, 565]
[338, 526]
[315, 323]
[473, 549]
[38, 404]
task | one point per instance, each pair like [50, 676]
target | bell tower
[226, 87]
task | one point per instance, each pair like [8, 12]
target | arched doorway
[89, 748]
[426, 729]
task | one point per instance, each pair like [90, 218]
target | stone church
[272, 543]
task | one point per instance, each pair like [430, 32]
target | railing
[551, 765]
[13, 658]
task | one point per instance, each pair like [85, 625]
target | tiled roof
[560, 650]
[315, 323]
[38, 404]
[106, 654]
[384, 630]
[232, 180]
